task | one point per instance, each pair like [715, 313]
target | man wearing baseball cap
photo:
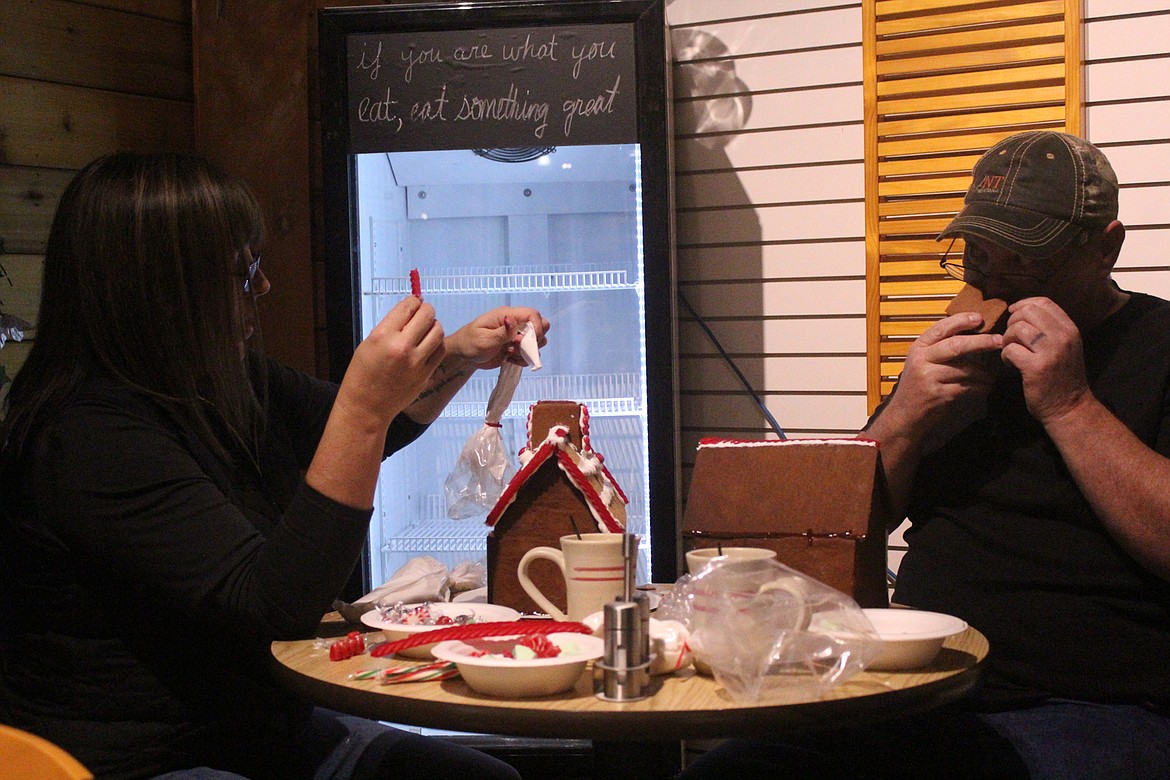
[1034, 466]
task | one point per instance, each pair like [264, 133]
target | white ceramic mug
[697, 559]
[593, 568]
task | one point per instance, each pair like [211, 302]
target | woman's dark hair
[143, 283]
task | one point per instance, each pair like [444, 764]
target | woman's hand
[491, 338]
[393, 364]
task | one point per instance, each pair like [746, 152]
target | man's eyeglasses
[960, 269]
[253, 267]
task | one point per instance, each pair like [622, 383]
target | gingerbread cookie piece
[993, 310]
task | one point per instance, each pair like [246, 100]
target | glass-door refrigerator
[515, 153]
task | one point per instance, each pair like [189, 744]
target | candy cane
[478, 630]
[441, 670]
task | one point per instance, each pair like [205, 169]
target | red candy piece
[353, 644]
[415, 283]
[541, 645]
[477, 630]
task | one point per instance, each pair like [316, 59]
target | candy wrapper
[766, 631]
[483, 469]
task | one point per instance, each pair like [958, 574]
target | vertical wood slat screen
[944, 81]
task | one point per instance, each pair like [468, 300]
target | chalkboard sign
[515, 87]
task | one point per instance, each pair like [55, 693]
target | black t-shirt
[143, 581]
[1003, 538]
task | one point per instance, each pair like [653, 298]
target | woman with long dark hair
[173, 501]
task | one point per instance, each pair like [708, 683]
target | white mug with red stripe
[593, 568]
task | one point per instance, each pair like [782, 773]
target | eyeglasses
[253, 268]
[959, 270]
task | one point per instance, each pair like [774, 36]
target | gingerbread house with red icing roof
[562, 487]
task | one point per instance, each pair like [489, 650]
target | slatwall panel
[770, 215]
[945, 80]
[1127, 114]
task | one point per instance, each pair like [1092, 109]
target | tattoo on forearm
[441, 382]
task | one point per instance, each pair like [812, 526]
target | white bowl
[483, 613]
[911, 638]
[514, 678]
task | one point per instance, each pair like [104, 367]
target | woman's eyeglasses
[253, 267]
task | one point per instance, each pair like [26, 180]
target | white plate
[912, 637]
[520, 678]
[483, 613]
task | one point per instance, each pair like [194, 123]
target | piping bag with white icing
[483, 468]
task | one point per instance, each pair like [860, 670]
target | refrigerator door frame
[340, 242]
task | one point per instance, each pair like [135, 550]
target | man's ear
[1111, 240]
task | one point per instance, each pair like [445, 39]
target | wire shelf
[506, 279]
[604, 395]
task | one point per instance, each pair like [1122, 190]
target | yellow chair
[25, 756]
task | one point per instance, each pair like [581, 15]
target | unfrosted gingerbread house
[562, 487]
[821, 504]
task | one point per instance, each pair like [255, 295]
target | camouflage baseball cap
[1033, 191]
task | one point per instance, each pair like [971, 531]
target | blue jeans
[1059, 740]
[359, 749]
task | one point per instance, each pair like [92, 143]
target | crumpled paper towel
[421, 579]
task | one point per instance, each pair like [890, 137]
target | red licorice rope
[479, 630]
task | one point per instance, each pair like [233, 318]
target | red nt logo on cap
[990, 183]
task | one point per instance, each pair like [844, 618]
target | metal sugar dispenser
[626, 624]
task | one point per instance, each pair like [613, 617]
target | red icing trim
[522, 476]
[600, 510]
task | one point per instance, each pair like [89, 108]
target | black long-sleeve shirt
[144, 580]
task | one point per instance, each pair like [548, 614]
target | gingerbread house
[821, 504]
[562, 487]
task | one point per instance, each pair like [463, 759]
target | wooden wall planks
[77, 80]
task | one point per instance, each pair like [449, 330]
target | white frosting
[788, 443]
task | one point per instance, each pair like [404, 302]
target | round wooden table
[684, 706]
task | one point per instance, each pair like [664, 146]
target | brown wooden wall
[78, 80]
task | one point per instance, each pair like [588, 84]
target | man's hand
[1044, 345]
[946, 374]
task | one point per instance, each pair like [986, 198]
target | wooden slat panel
[57, 126]
[919, 247]
[904, 328]
[914, 308]
[893, 208]
[999, 78]
[965, 39]
[896, 270]
[72, 43]
[974, 59]
[942, 286]
[958, 164]
[939, 185]
[980, 15]
[957, 101]
[948, 122]
[950, 143]
[931, 227]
